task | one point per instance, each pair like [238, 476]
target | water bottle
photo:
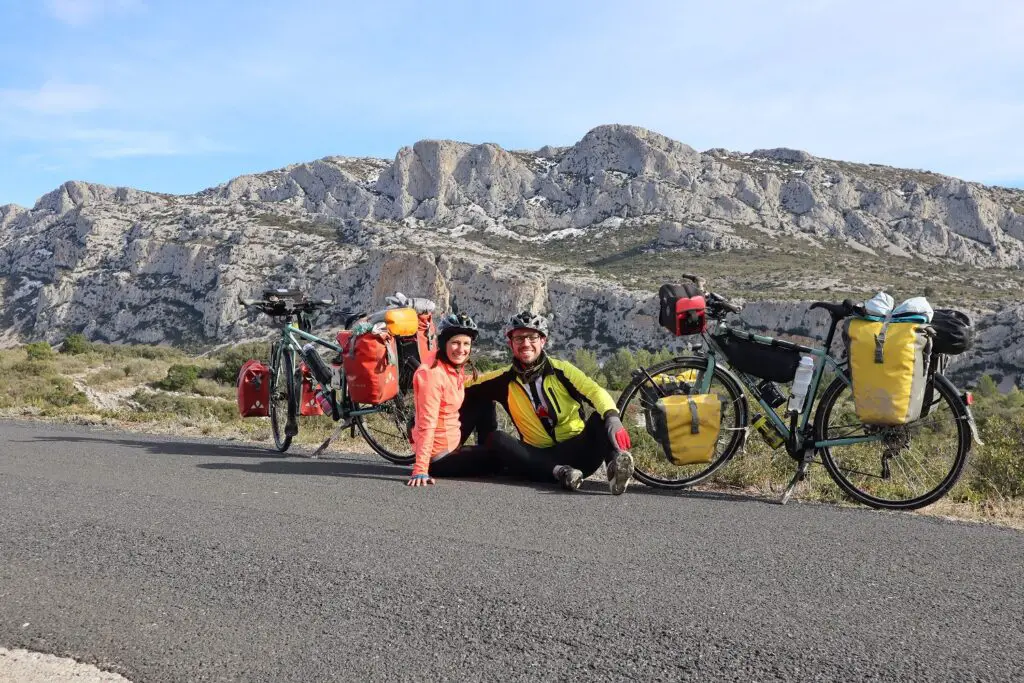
[801, 383]
[770, 393]
[768, 431]
[324, 401]
[316, 364]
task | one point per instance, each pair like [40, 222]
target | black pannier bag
[954, 332]
[682, 309]
[762, 357]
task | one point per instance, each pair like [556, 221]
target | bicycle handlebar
[719, 301]
[282, 307]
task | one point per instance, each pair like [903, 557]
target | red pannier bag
[371, 368]
[254, 389]
[682, 309]
[426, 339]
[309, 405]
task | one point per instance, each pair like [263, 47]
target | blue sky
[178, 95]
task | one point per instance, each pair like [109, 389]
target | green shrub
[75, 344]
[168, 406]
[179, 378]
[232, 359]
[998, 466]
[63, 394]
[39, 350]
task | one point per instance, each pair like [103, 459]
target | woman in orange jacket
[438, 391]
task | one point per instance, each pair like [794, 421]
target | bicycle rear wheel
[680, 376]
[911, 466]
[387, 431]
[284, 404]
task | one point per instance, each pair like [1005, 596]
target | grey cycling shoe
[569, 478]
[620, 470]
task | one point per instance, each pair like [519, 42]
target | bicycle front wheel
[284, 404]
[680, 376]
[909, 466]
[388, 430]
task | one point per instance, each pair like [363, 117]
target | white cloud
[54, 98]
[82, 12]
[107, 143]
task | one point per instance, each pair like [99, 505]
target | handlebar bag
[686, 427]
[682, 309]
[888, 368]
[254, 389]
[371, 368]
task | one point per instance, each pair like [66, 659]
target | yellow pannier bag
[889, 370]
[687, 427]
[402, 322]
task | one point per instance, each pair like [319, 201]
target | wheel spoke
[924, 458]
[679, 377]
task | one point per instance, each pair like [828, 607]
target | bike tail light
[968, 398]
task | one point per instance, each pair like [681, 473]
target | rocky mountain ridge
[572, 231]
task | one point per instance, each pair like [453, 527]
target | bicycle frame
[797, 432]
[291, 334]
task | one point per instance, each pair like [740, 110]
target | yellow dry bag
[889, 369]
[687, 427]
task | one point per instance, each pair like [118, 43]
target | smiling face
[526, 344]
[457, 349]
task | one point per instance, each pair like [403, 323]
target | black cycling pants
[584, 452]
[466, 461]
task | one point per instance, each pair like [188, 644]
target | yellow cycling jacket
[566, 389]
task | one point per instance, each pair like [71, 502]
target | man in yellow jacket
[545, 396]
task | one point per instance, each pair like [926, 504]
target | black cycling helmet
[453, 324]
[954, 332]
[527, 320]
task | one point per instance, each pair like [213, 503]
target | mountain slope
[585, 232]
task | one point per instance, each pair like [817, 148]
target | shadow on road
[323, 468]
[301, 464]
[174, 447]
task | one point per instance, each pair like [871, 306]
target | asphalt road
[178, 560]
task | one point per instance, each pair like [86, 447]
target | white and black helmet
[527, 320]
[456, 323]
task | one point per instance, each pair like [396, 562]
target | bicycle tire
[387, 431]
[651, 467]
[282, 395]
[847, 465]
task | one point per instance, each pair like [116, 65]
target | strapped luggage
[682, 309]
[954, 332]
[888, 368]
[686, 427]
[401, 322]
[254, 389]
[371, 368]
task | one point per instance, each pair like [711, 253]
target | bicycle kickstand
[342, 424]
[806, 458]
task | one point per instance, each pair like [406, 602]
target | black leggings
[584, 452]
[466, 461]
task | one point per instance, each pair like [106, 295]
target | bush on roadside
[232, 359]
[39, 350]
[179, 378]
[153, 406]
[75, 344]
